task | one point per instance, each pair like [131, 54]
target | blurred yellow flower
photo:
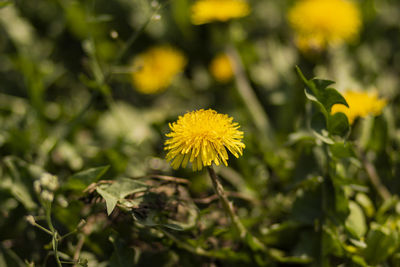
[361, 104]
[202, 137]
[221, 68]
[206, 11]
[319, 23]
[154, 69]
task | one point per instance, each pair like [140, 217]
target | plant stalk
[375, 180]
[228, 206]
[54, 234]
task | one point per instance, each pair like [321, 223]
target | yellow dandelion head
[154, 69]
[361, 104]
[203, 137]
[221, 68]
[206, 11]
[319, 23]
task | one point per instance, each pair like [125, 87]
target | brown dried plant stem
[228, 206]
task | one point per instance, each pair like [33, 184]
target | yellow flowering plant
[105, 173]
[221, 68]
[155, 69]
[361, 104]
[319, 23]
[203, 137]
[206, 11]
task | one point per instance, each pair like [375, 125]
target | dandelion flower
[206, 11]
[361, 104]
[155, 69]
[221, 68]
[203, 137]
[319, 23]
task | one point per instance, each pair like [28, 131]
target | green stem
[43, 229]
[228, 206]
[136, 34]
[324, 204]
[54, 233]
[251, 240]
[375, 180]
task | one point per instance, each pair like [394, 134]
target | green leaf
[279, 256]
[318, 126]
[319, 105]
[329, 96]
[360, 261]
[119, 190]
[304, 79]
[381, 242]
[83, 179]
[366, 203]
[20, 181]
[324, 97]
[321, 92]
[342, 150]
[338, 124]
[111, 200]
[355, 222]
[331, 242]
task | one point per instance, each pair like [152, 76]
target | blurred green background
[68, 107]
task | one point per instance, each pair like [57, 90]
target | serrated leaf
[318, 123]
[338, 124]
[330, 97]
[83, 179]
[318, 127]
[324, 97]
[320, 106]
[303, 78]
[111, 200]
[321, 83]
[119, 190]
[321, 92]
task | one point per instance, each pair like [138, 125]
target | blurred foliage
[313, 189]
